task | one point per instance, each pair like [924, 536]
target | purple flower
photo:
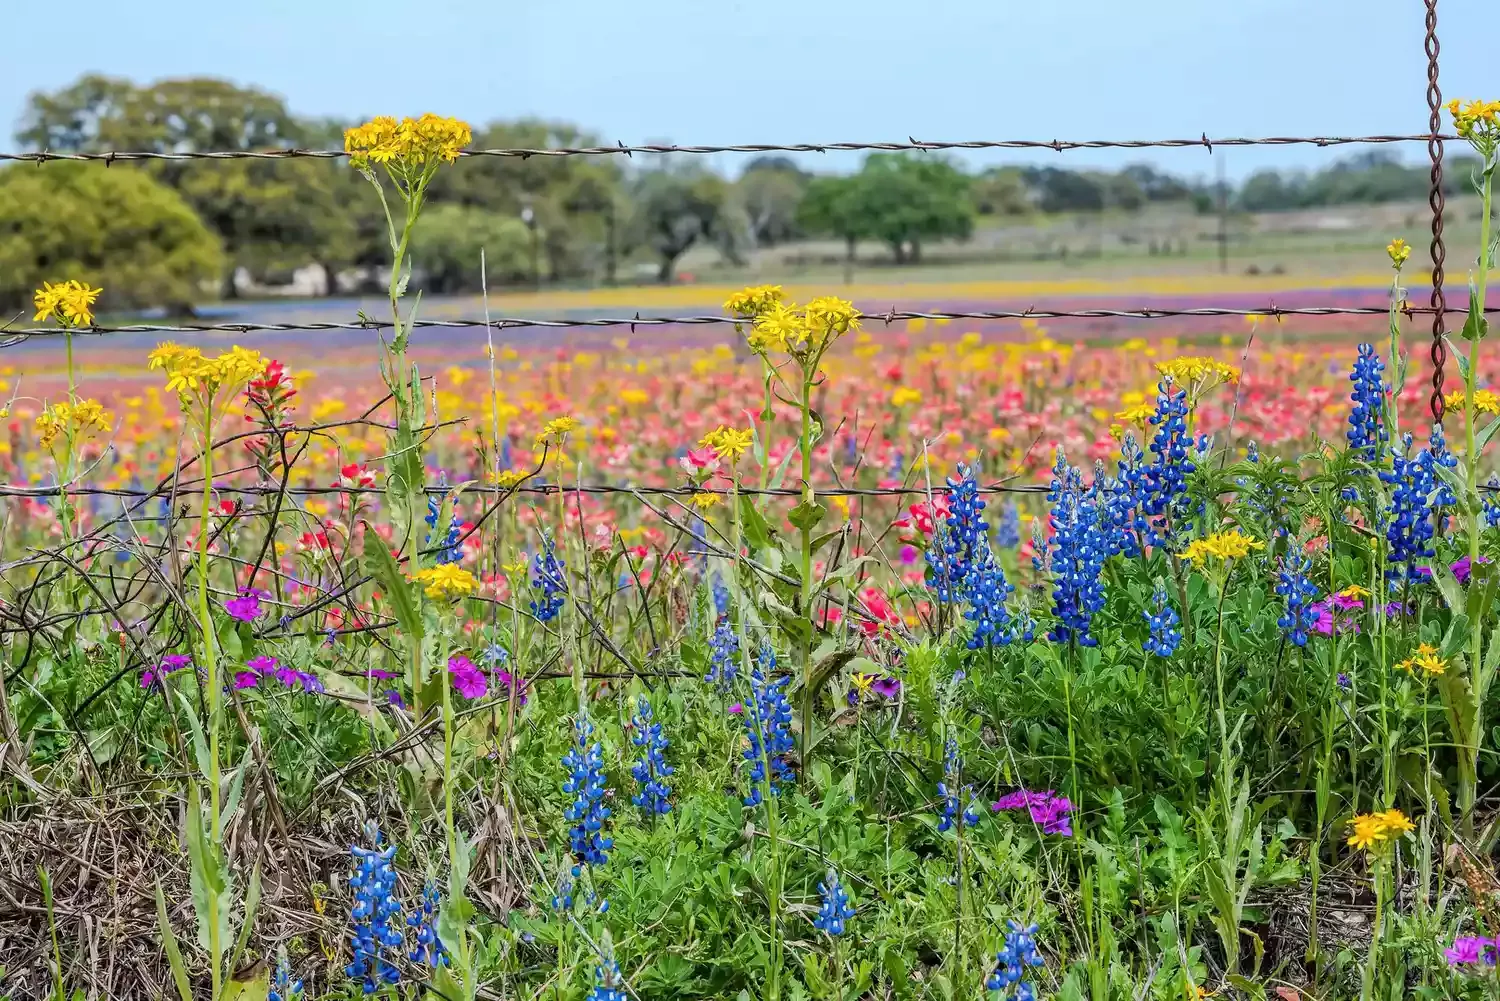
[171, 662]
[1461, 568]
[245, 608]
[1047, 809]
[394, 698]
[506, 682]
[886, 687]
[468, 680]
[1471, 950]
[262, 664]
[1343, 680]
[245, 679]
[736, 709]
[382, 674]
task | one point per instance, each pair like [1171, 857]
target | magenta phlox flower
[468, 680]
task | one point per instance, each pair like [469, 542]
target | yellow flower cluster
[1476, 119]
[70, 302]
[905, 396]
[1192, 369]
[1138, 414]
[728, 443]
[71, 420]
[555, 429]
[1230, 545]
[753, 301]
[1425, 660]
[1398, 251]
[703, 500]
[407, 144]
[785, 326]
[1371, 830]
[446, 580]
[1485, 401]
[190, 371]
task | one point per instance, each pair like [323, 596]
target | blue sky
[718, 71]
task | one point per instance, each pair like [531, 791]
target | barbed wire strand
[1056, 145]
[888, 317]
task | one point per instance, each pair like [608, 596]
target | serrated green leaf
[1475, 325]
[200, 742]
[380, 564]
[807, 515]
[757, 533]
[1448, 587]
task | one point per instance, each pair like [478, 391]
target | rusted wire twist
[1435, 201]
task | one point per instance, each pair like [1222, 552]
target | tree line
[169, 232]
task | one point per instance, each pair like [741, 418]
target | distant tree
[119, 229]
[1270, 191]
[1156, 185]
[1122, 191]
[272, 215]
[446, 248]
[673, 206]
[768, 193]
[909, 199]
[1060, 190]
[831, 206]
[1001, 191]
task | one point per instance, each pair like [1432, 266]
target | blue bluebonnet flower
[1252, 451]
[585, 782]
[450, 551]
[607, 982]
[1008, 532]
[547, 579]
[427, 948]
[770, 715]
[1078, 552]
[721, 597]
[495, 655]
[1490, 498]
[651, 770]
[723, 655]
[1013, 961]
[376, 917]
[1122, 516]
[1163, 620]
[1161, 484]
[987, 590]
[961, 544]
[1367, 434]
[835, 909]
[284, 987]
[1297, 588]
[562, 900]
[1437, 446]
[952, 790]
[1410, 528]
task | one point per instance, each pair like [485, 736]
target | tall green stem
[211, 672]
[808, 499]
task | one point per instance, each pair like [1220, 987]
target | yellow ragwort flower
[779, 327]
[72, 421]
[1398, 252]
[1191, 369]
[752, 301]
[1138, 414]
[446, 580]
[1375, 830]
[1425, 660]
[831, 315]
[1477, 121]
[71, 302]
[905, 396]
[728, 443]
[1230, 545]
[1354, 591]
[557, 428]
[703, 500]
[1485, 401]
[410, 146]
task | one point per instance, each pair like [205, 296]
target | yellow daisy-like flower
[1354, 591]
[508, 478]
[1477, 121]
[830, 314]
[1230, 545]
[557, 428]
[446, 580]
[779, 327]
[728, 443]
[1192, 369]
[753, 301]
[1426, 660]
[70, 420]
[1485, 401]
[71, 303]
[1138, 414]
[703, 500]
[1375, 830]
[412, 145]
[905, 396]
[1398, 252]
[190, 372]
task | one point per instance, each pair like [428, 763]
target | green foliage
[116, 228]
[446, 248]
[673, 206]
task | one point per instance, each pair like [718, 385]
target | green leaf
[255, 987]
[169, 944]
[1475, 325]
[753, 524]
[252, 904]
[380, 564]
[200, 742]
[1448, 587]
[806, 515]
[209, 879]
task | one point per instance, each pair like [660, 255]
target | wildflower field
[815, 657]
